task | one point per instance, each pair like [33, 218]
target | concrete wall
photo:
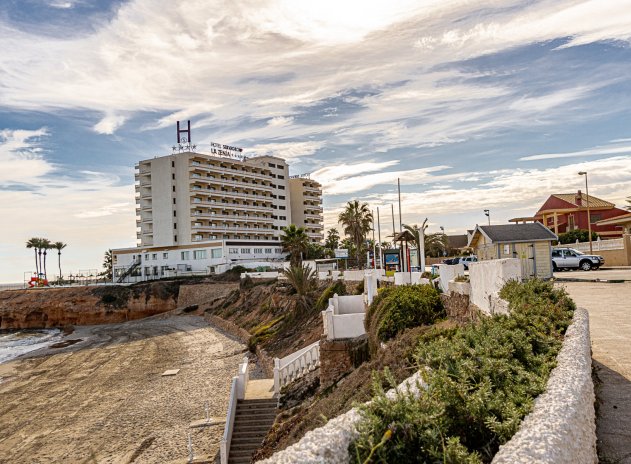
[353, 276]
[487, 278]
[348, 304]
[447, 272]
[561, 428]
[329, 444]
[340, 326]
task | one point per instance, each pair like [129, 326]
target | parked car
[569, 258]
[468, 259]
[452, 260]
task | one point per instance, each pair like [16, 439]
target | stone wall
[561, 428]
[206, 293]
[339, 357]
[487, 279]
[458, 307]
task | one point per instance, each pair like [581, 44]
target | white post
[422, 249]
[276, 375]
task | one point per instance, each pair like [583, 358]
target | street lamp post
[487, 213]
[589, 216]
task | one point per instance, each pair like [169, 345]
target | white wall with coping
[448, 272]
[329, 444]
[260, 275]
[409, 278]
[560, 429]
[353, 276]
[347, 304]
[562, 425]
[487, 278]
[463, 288]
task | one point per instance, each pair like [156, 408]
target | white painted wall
[447, 272]
[409, 278]
[338, 326]
[353, 276]
[487, 278]
[347, 304]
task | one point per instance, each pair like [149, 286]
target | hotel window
[282, 187]
[281, 176]
[281, 207]
[268, 251]
[258, 250]
[172, 176]
[245, 251]
[271, 165]
[165, 255]
[154, 256]
[147, 257]
[173, 164]
[282, 218]
[175, 238]
[281, 197]
[233, 251]
[185, 255]
[199, 254]
[216, 253]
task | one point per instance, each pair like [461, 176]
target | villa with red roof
[563, 212]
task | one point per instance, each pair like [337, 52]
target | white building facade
[201, 213]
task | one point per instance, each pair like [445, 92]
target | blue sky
[473, 105]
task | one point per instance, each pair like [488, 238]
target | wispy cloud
[613, 149]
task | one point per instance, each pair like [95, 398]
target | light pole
[589, 216]
[442, 230]
[487, 213]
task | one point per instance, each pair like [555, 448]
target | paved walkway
[601, 274]
[609, 307]
[260, 389]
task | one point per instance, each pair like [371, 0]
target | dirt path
[609, 307]
[104, 400]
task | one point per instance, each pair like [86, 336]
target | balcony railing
[232, 171]
[220, 182]
[226, 205]
[232, 217]
[249, 230]
[219, 193]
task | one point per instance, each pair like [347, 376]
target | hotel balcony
[232, 171]
[223, 194]
[229, 206]
[232, 217]
[221, 229]
[234, 183]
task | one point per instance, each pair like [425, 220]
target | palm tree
[357, 221]
[295, 241]
[59, 246]
[33, 243]
[332, 239]
[45, 245]
[416, 233]
[436, 244]
[628, 200]
[304, 281]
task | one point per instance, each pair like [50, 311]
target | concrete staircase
[253, 419]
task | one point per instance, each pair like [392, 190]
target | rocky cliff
[58, 307]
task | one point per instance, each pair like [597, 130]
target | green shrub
[398, 308]
[483, 380]
[360, 288]
[336, 287]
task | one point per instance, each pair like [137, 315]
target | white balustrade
[296, 365]
[599, 245]
[237, 392]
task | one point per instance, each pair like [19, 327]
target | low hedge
[395, 309]
[482, 379]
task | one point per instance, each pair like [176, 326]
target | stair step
[258, 400]
[241, 453]
[256, 406]
[251, 428]
[249, 433]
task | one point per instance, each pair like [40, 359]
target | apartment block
[306, 206]
[205, 212]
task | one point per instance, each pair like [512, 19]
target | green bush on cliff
[398, 308]
[336, 287]
[482, 380]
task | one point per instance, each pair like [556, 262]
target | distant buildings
[204, 213]
[563, 212]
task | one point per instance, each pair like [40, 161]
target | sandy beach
[104, 400]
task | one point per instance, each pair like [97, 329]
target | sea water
[19, 342]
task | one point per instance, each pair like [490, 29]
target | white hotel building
[200, 213]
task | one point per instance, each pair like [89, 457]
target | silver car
[569, 258]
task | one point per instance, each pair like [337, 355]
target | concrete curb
[329, 444]
[562, 426]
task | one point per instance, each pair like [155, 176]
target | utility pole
[381, 266]
[374, 244]
[400, 218]
[589, 216]
[487, 213]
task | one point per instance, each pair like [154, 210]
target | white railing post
[224, 447]
[276, 375]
